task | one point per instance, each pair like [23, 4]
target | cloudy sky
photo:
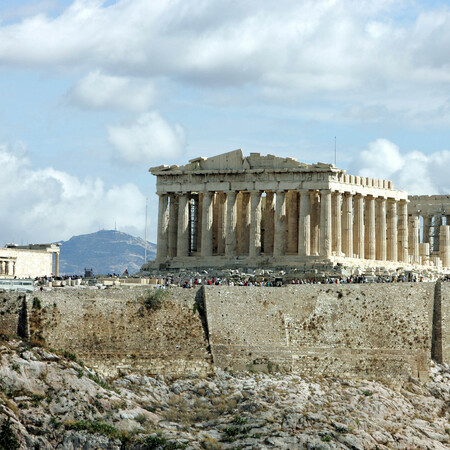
[94, 92]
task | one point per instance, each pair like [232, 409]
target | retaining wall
[382, 331]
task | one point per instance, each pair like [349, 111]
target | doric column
[438, 222]
[392, 239]
[207, 224]
[173, 225]
[370, 237]
[291, 222]
[428, 230]
[163, 227]
[381, 229]
[222, 222]
[315, 222]
[269, 213]
[413, 239]
[230, 244]
[280, 225]
[358, 237]
[403, 231]
[325, 223]
[336, 200]
[444, 245]
[255, 224]
[183, 225]
[347, 225]
[304, 232]
[245, 224]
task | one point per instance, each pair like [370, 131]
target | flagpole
[145, 234]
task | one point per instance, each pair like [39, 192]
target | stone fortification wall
[12, 311]
[444, 323]
[383, 331]
[113, 331]
[380, 331]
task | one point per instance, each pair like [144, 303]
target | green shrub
[158, 442]
[36, 303]
[8, 440]
[96, 426]
[155, 298]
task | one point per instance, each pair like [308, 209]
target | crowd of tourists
[279, 281]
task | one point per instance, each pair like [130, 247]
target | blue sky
[96, 92]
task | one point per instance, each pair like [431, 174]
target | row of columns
[432, 225]
[295, 222]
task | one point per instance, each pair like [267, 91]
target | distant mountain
[106, 251]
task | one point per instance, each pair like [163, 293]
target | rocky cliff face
[106, 251]
[50, 399]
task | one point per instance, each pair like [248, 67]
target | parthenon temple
[266, 211]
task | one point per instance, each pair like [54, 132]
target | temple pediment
[236, 161]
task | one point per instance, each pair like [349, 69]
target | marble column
[207, 224]
[392, 236]
[222, 222]
[336, 200]
[438, 222]
[245, 225]
[230, 243]
[183, 226]
[56, 265]
[315, 222]
[370, 238]
[358, 229]
[413, 238]
[255, 224]
[291, 222]
[403, 231]
[280, 225]
[173, 225]
[304, 232]
[163, 227]
[347, 225]
[424, 252]
[269, 216]
[444, 245]
[325, 223]
[428, 230]
[381, 229]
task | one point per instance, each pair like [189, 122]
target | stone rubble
[54, 401]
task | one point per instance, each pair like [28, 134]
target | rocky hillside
[49, 399]
[106, 251]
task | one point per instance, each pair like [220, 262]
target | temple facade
[29, 261]
[267, 211]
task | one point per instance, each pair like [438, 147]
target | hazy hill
[106, 251]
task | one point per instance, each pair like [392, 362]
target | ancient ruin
[266, 211]
[29, 261]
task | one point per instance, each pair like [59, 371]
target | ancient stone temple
[267, 211]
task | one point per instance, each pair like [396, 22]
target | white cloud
[150, 138]
[414, 171]
[322, 49]
[45, 205]
[101, 91]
